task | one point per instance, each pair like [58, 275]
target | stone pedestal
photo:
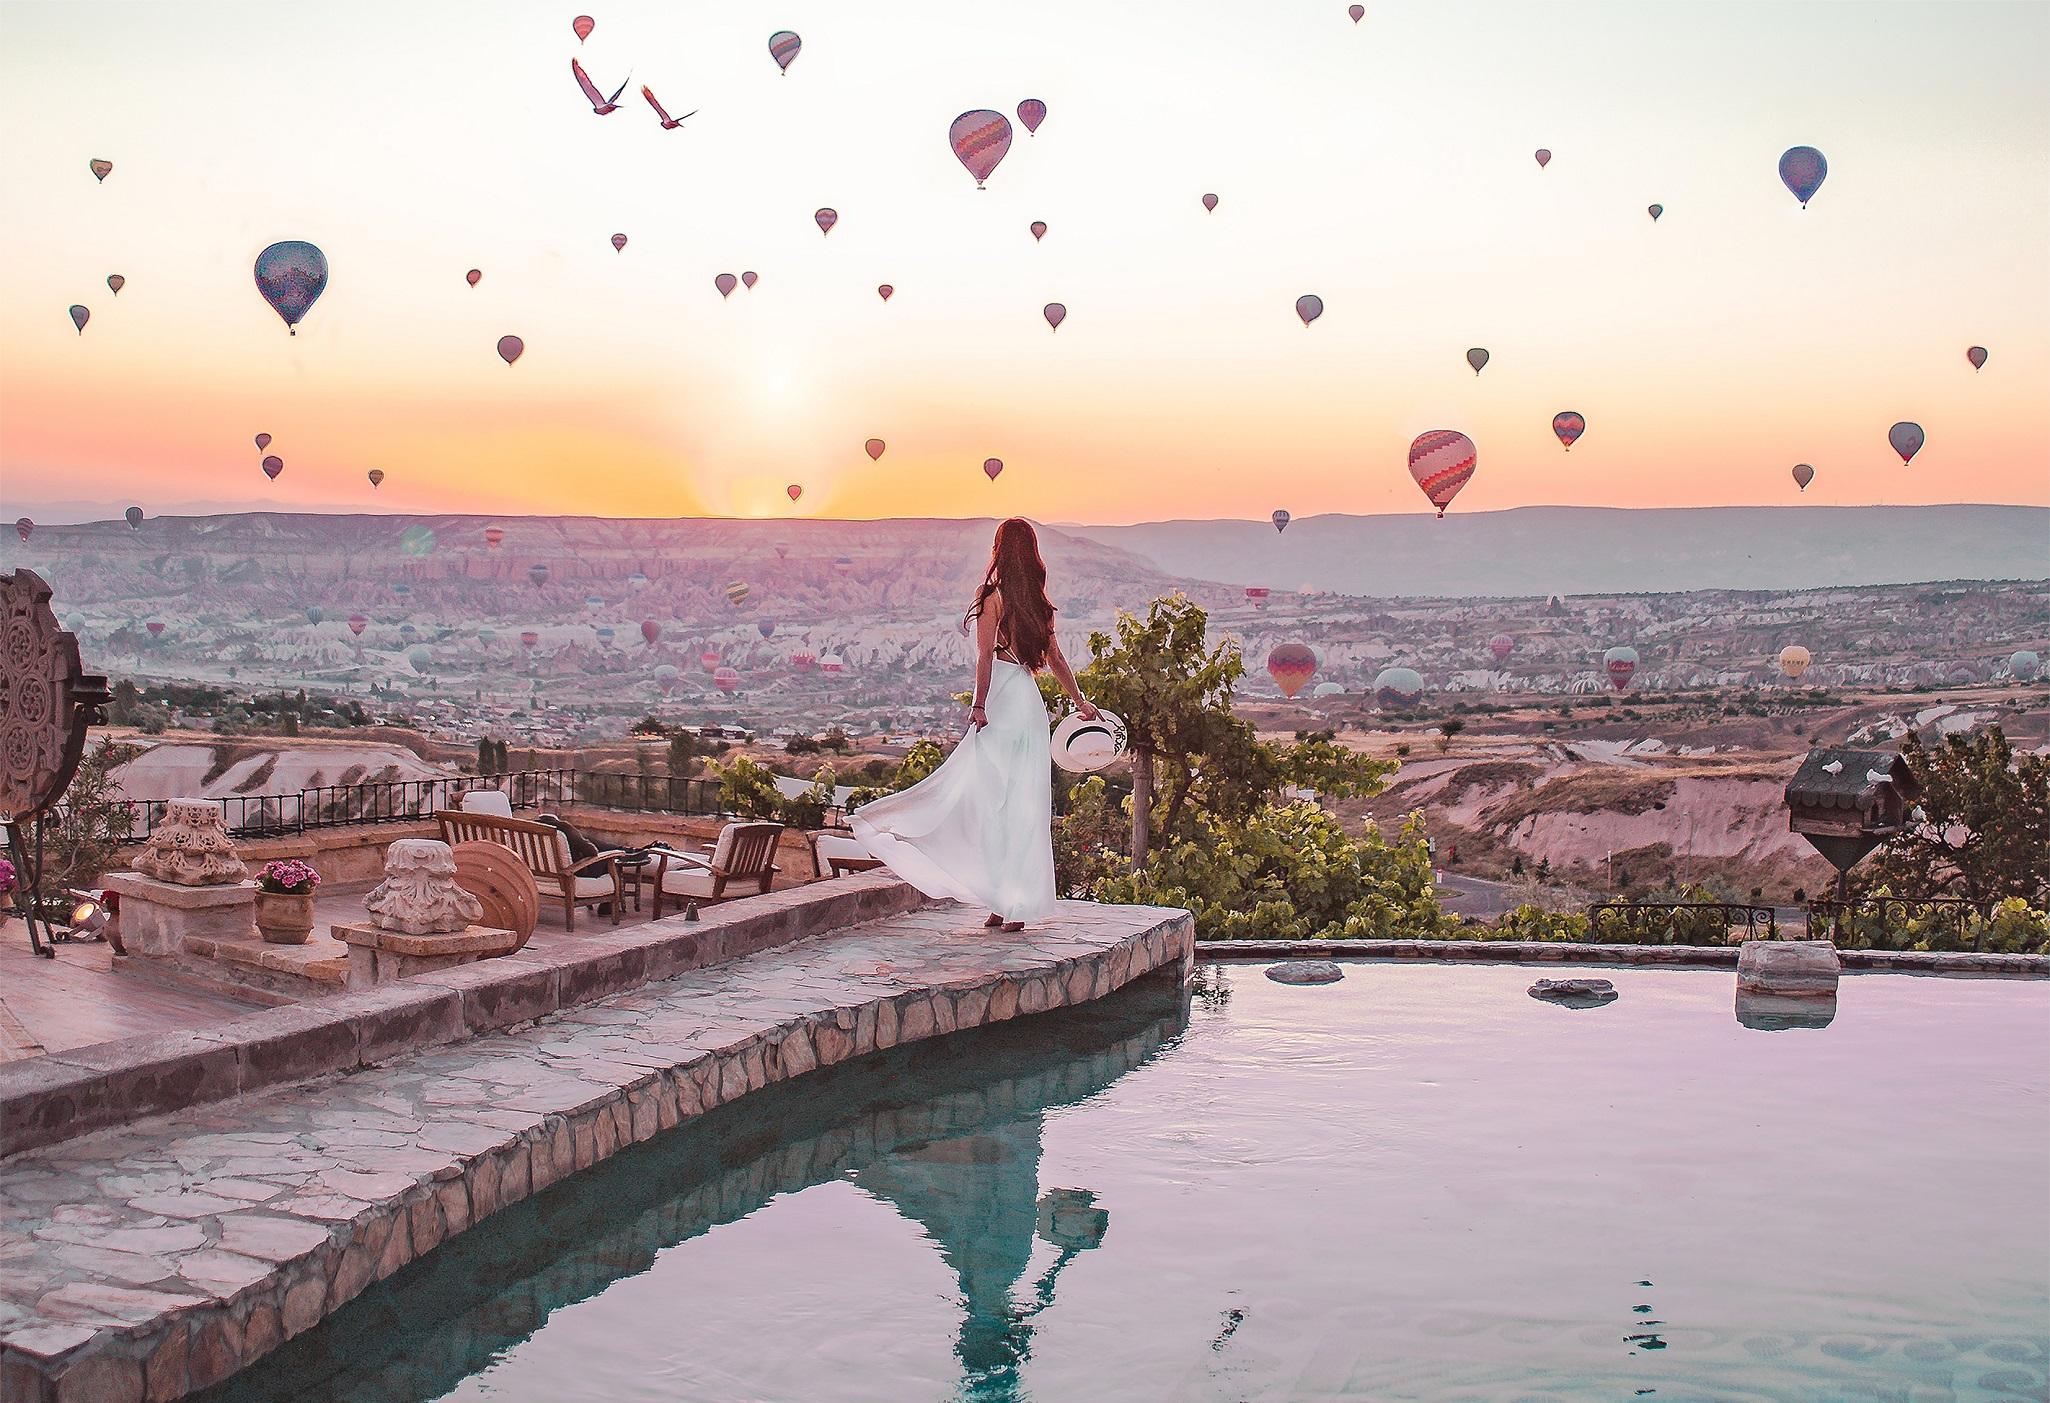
[157, 916]
[1788, 968]
[382, 956]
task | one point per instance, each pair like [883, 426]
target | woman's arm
[985, 658]
[1057, 663]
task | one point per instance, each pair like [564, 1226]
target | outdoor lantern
[89, 915]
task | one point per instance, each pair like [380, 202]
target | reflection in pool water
[1418, 1183]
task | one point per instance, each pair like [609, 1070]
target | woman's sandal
[993, 922]
[1012, 927]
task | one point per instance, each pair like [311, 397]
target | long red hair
[1017, 576]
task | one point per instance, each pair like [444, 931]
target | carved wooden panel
[47, 700]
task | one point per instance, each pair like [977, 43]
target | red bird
[669, 123]
[600, 103]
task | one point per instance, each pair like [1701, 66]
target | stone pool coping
[148, 1261]
[46, 1100]
[1577, 952]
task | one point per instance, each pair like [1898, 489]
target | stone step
[157, 1258]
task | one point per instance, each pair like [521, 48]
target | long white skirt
[979, 829]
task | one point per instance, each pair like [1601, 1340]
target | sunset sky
[1386, 166]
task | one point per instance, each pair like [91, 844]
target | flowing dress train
[979, 829]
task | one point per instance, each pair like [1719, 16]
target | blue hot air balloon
[1802, 170]
[766, 626]
[314, 615]
[291, 276]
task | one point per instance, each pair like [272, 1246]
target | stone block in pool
[1789, 968]
[1305, 972]
[1574, 993]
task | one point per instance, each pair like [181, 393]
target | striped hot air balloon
[1281, 518]
[801, 660]
[1441, 461]
[825, 218]
[726, 679]
[528, 638]
[736, 593]
[1292, 665]
[980, 139]
[1257, 594]
[1501, 645]
[709, 660]
[1398, 688]
[357, 623]
[832, 662]
[1569, 427]
[783, 47]
[494, 536]
[1031, 112]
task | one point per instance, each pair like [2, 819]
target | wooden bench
[545, 850]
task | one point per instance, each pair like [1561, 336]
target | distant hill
[1601, 550]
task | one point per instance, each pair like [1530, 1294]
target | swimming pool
[1418, 1183]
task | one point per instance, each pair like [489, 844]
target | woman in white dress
[979, 829]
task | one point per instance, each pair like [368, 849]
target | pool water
[1418, 1183]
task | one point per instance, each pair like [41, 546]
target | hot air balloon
[1280, 520]
[487, 636]
[2025, 665]
[991, 467]
[1055, 313]
[408, 631]
[825, 219]
[842, 564]
[24, 528]
[1544, 157]
[748, 280]
[794, 490]
[1356, 12]
[782, 551]
[583, 25]
[474, 276]
[765, 627]
[100, 169]
[1654, 211]
[650, 631]
[980, 139]
[736, 593]
[1441, 461]
[493, 536]
[1803, 475]
[783, 47]
[831, 662]
[291, 275]
[509, 348]
[709, 660]
[1794, 661]
[80, 315]
[376, 476]
[726, 679]
[528, 638]
[1906, 439]
[605, 634]
[883, 290]
[115, 282]
[134, 518]
[1292, 665]
[1569, 427]
[538, 573]
[665, 678]
[262, 442]
[1038, 227]
[420, 658]
[272, 466]
[725, 282]
[637, 580]
[592, 601]
[874, 448]
[1398, 688]
[1620, 662]
[402, 590]
[1802, 170]
[155, 627]
[1258, 594]
[800, 660]
[1501, 645]
[618, 243]
[315, 614]
[1309, 307]
[1210, 203]
[1977, 356]
[1477, 357]
[357, 623]
[1031, 112]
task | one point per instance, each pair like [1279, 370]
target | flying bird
[600, 103]
[669, 123]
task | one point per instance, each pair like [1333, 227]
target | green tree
[83, 838]
[1983, 829]
[683, 755]
[746, 788]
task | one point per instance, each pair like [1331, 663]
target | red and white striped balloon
[980, 139]
[1441, 461]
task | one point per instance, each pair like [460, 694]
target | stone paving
[150, 1260]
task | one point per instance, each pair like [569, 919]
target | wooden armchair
[545, 850]
[744, 856]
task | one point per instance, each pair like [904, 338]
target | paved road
[1476, 896]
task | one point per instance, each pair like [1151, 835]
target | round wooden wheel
[494, 874]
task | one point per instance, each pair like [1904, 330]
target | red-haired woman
[979, 829]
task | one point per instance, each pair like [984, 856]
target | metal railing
[1682, 922]
[400, 801]
[1901, 922]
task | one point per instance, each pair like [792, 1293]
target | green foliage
[837, 741]
[1529, 922]
[801, 744]
[1088, 839]
[808, 810]
[747, 789]
[1292, 872]
[1985, 826]
[83, 839]
[683, 755]
[2012, 926]
[1332, 771]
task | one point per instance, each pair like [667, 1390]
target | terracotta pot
[285, 918]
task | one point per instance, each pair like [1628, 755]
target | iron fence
[1682, 922]
[1905, 922]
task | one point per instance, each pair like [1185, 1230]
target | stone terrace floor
[143, 1262]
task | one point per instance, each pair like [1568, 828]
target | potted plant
[284, 901]
[6, 889]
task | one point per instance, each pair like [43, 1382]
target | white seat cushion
[599, 885]
[687, 881]
[487, 801]
[832, 845]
